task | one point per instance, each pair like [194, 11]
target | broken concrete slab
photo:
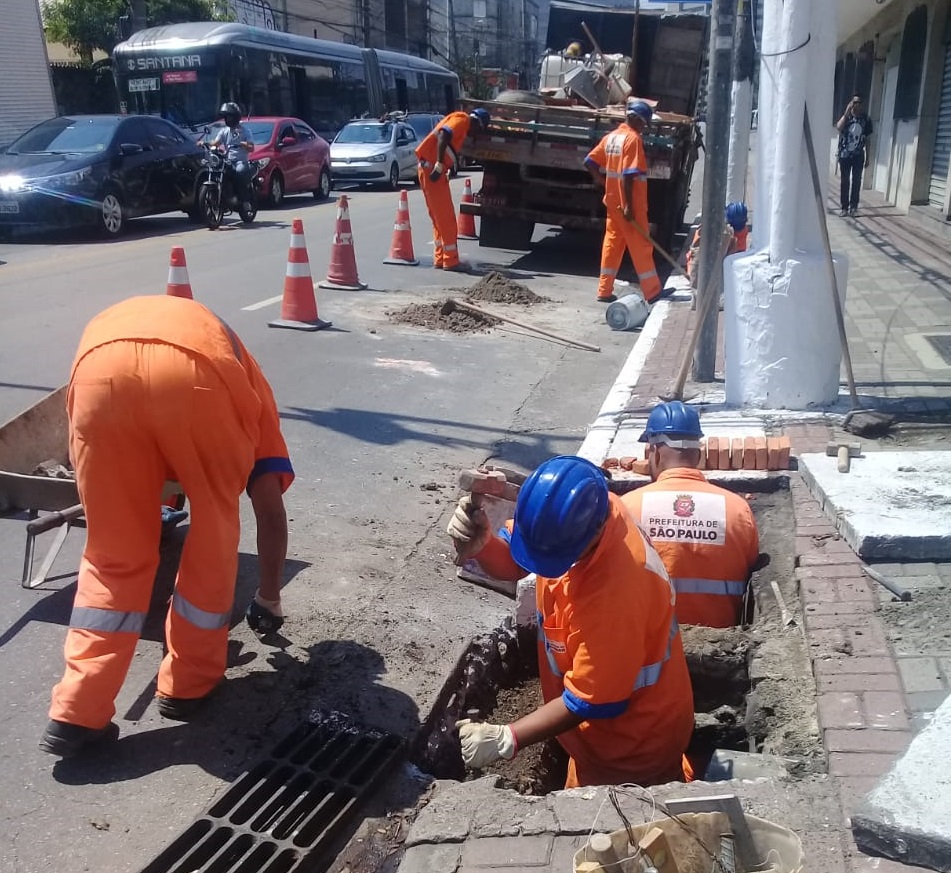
[907, 817]
[891, 506]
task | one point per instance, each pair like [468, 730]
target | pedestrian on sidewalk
[161, 389]
[855, 127]
[437, 153]
[705, 535]
[619, 165]
[610, 658]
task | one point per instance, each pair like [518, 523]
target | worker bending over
[437, 153]
[619, 165]
[162, 389]
[706, 535]
[613, 673]
[737, 217]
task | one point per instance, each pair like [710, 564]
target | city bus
[184, 72]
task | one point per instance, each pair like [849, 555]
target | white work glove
[469, 528]
[483, 743]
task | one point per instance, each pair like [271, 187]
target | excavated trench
[752, 685]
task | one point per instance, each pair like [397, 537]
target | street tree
[90, 25]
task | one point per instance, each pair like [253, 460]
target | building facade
[897, 56]
[26, 91]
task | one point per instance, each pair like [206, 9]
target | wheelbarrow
[37, 435]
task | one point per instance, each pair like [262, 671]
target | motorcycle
[217, 198]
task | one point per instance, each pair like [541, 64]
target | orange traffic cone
[299, 306]
[401, 249]
[465, 223]
[342, 272]
[178, 284]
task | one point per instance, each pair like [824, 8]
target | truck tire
[506, 233]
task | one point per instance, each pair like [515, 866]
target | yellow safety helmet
[573, 50]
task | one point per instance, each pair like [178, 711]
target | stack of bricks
[724, 453]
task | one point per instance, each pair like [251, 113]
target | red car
[294, 158]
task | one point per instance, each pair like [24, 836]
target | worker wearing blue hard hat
[706, 535]
[737, 219]
[613, 673]
[619, 165]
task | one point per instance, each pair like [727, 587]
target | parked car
[294, 158]
[97, 169]
[423, 123]
[380, 152]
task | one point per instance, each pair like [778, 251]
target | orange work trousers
[621, 235]
[140, 412]
[442, 213]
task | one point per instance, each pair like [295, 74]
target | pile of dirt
[496, 288]
[430, 315]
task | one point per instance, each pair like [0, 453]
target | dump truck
[533, 154]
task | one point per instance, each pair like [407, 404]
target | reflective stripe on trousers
[648, 675]
[92, 618]
[724, 587]
[199, 617]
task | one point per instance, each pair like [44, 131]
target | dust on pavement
[497, 288]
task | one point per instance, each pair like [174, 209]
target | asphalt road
[379, 419]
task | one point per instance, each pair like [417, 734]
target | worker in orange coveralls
[163, 389]
[737, 217]
[613, 673]
[706, 535]
[618, 164]
[437, 153]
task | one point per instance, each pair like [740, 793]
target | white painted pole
[741, 102]
[768, 41]
[793, 71]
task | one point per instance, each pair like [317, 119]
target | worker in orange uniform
[613, 673]
[437, 153]
[618, 164]
[706, 535]
[737, 218]
[162, 389]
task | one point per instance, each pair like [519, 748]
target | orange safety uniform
[160, 389]
[442, 213]
[737, 244]
[707, 538]
[621, 154]
[609, 646]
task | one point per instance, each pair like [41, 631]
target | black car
[97, 169]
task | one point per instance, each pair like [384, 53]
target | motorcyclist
[236, 142]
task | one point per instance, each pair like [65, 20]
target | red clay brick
[702, 463]
[759, 446]
[749, 453]
[627, 462]
[886, 710]
[784, 450]
[641, 467]
[609, 463]
[859, 763]
[840, 710]
[772, 453]
[891, 742]
[713, 453]
[859, 683]
[838, 666]
[736, 454]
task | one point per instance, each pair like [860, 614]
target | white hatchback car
[374, 152]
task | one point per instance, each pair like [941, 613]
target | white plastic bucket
[627, 313]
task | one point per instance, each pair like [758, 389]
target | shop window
[910, 64]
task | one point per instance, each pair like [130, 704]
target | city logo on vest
[684, 506]
[697, 518]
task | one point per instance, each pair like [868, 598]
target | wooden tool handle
[555, 336]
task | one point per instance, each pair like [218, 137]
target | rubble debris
[429, 315]
[494, 287]
[53, 469]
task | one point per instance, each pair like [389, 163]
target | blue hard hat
[640, 109]
[672, 421]
[482, 115]
[736, 215]
[560, 509]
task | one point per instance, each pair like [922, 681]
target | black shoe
[180, 708]
[461, 267]
[609, 299]
[65, 739]
[853, 212]
[843, 212]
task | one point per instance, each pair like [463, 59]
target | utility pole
[744, 57]
[632, 78]
[717, 143]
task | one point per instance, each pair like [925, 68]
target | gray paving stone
[444, 858]
[907, 816]
[447, 816]
[926, 701]
[539, 819]
[920, 674]
[507, 852]
[563, 852]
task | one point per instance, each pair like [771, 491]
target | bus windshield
[190, 98]
[359, 132]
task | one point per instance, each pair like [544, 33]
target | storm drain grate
[941, 342]
[284, 814]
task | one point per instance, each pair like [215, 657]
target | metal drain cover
[284, 814]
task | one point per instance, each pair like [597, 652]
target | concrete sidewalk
[874, 687]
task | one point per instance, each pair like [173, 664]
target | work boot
[65, 739]
[609, 299]
[843, 212]
[461, 267]
[180, 708]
